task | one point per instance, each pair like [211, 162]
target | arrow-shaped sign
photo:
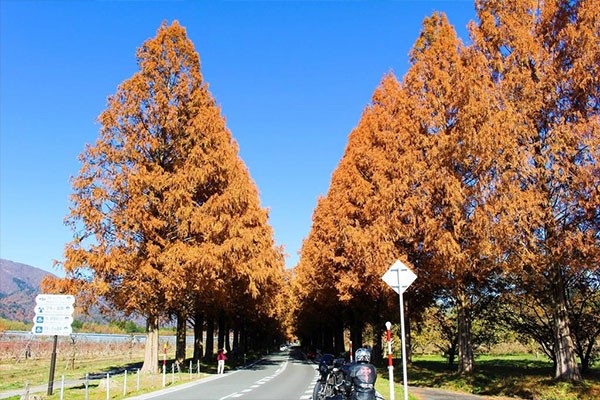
[51, 330]
[399, 277]
[63, 299]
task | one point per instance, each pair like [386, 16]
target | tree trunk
[466, 361]
[236, 340]
[356, 336]
[564, 349]
[244, 338]
[221, 337]
[180, 341]
[210, 338]
[339, 337]
[451, 355]
[377, 356]
[198, 328]
[409, 350]
[227, 341]
[150, 365]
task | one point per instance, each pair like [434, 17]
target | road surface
[276, 377]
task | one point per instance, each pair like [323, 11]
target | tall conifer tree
[163, 207]
[545, 57]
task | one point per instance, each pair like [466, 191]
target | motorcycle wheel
[317, 395]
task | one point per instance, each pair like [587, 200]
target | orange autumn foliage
[163, 208]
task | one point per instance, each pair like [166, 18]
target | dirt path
[438, 394]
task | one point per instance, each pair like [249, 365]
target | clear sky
[292, 79]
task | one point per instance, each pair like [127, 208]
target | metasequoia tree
[162, 200]
[545, 58]
[456, 110]
[351, 243]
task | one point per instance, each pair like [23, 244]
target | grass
[382, 385]
[98, 392]
[14, 376]
[520, 375]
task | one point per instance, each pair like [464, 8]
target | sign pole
[403, 345]
[400, 277]
[388, 325]
[52, 366]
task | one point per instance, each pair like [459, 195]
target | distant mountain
[19, 284]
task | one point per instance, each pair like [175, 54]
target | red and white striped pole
[388, 325]
[351, 352]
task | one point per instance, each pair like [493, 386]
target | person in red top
[221, 357]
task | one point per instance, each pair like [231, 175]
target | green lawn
[382, 385]
[520, 375]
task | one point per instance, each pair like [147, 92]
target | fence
[122, 384]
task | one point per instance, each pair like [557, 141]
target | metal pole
[107, 385]
[190, 370]
[388, 325]
[125, 384]
[351, 352]
[87, 376]
[164, 375]
[403, 342]
[52, 366]
[62, 387]
[198, 361]
[138, 380]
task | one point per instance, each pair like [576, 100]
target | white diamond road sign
[399, 277]
[53, 314]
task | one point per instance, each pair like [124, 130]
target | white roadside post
[164, 375]
[399, 277]
[125, 384]
[108, 386]
[388, 325]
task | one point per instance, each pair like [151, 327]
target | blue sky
[292, 79]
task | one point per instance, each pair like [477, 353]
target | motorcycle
[332, 384]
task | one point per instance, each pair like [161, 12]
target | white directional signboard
[399, 277]
[53, 314]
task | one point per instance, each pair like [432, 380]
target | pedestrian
[221, 357]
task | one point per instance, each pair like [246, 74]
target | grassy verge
[519, 375]
[97, 390]
[14, 376]
[382, 385]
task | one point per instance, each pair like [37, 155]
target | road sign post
[388, 325]
[53, 317]
[400, 277]
[52, 367]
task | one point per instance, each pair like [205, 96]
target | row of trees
[481, 170]
[167, 220]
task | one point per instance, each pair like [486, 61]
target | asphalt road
[277, 377]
